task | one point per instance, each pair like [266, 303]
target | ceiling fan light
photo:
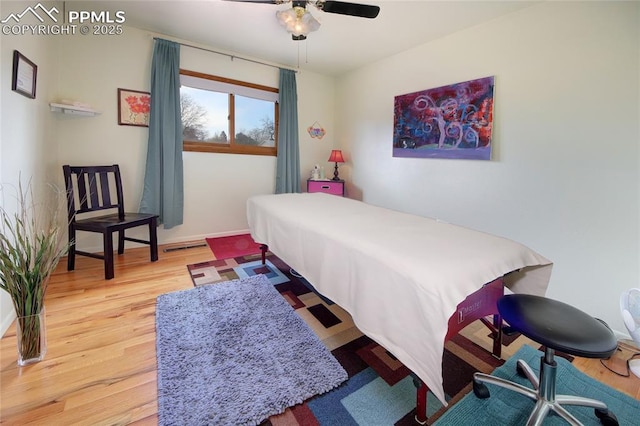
[310, 23]
[286, 18]
[297, 21]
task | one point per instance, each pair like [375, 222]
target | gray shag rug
[236, 353]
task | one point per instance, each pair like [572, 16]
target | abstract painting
[452, 121]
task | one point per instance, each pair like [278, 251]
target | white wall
[216, 185]
[564, 178]
[27, 145]
[316, 94]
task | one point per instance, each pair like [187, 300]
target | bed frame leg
[497, 336]
[263, 250]
[421, 402]
[496, 333]
[422, 388]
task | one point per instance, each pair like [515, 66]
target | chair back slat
[93, 188]
[82, 191]
[118, 180]
[106, 195]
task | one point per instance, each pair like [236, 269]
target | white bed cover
[400, 276]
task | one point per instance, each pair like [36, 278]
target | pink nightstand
[334, 187]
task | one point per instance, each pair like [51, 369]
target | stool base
[543, 393]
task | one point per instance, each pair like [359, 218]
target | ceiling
[342, 43]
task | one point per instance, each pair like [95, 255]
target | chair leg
[581, 401]
[153, 239]
[567, 416]
[507, 384]
[108, 255]
[538, 414]
[526, 370]
[71, 254]
[121, 242]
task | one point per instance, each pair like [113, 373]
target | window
[228, 116]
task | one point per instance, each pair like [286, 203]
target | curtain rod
[229, 55]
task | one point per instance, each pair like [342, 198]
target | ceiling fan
[299, 22]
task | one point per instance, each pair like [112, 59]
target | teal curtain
[163, 191]
[288, 160]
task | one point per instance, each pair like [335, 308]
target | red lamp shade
[336, 156]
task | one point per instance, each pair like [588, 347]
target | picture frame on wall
[24, 75]
[133, 107]
[454, 121]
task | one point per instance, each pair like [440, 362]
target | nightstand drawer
[334, 187]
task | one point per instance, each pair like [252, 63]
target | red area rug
[233, 246]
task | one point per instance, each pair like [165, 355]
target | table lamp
[336, 157]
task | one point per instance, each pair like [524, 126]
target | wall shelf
[73, 110]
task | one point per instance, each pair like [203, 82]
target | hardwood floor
[100, 367]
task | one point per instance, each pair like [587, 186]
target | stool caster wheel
[607, 418]
[481, 390]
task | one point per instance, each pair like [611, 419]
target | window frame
[232, 147]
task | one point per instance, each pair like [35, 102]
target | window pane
[228, 116]
[254, 121]
[204, 115]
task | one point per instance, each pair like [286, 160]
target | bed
[400, 276]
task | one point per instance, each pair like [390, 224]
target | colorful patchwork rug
[380, 390]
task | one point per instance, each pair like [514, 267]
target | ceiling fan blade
[261, 1]
[346, 8]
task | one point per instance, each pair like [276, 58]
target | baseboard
[176, 240]
[621, 336]
[204, 236]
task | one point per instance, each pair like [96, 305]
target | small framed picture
[133, 108]
[24, 75]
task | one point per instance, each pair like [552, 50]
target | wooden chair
[92, 188]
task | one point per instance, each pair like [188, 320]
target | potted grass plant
[31, 246]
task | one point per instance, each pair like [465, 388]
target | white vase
[32, 338]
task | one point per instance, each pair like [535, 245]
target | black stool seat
[557, 325]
